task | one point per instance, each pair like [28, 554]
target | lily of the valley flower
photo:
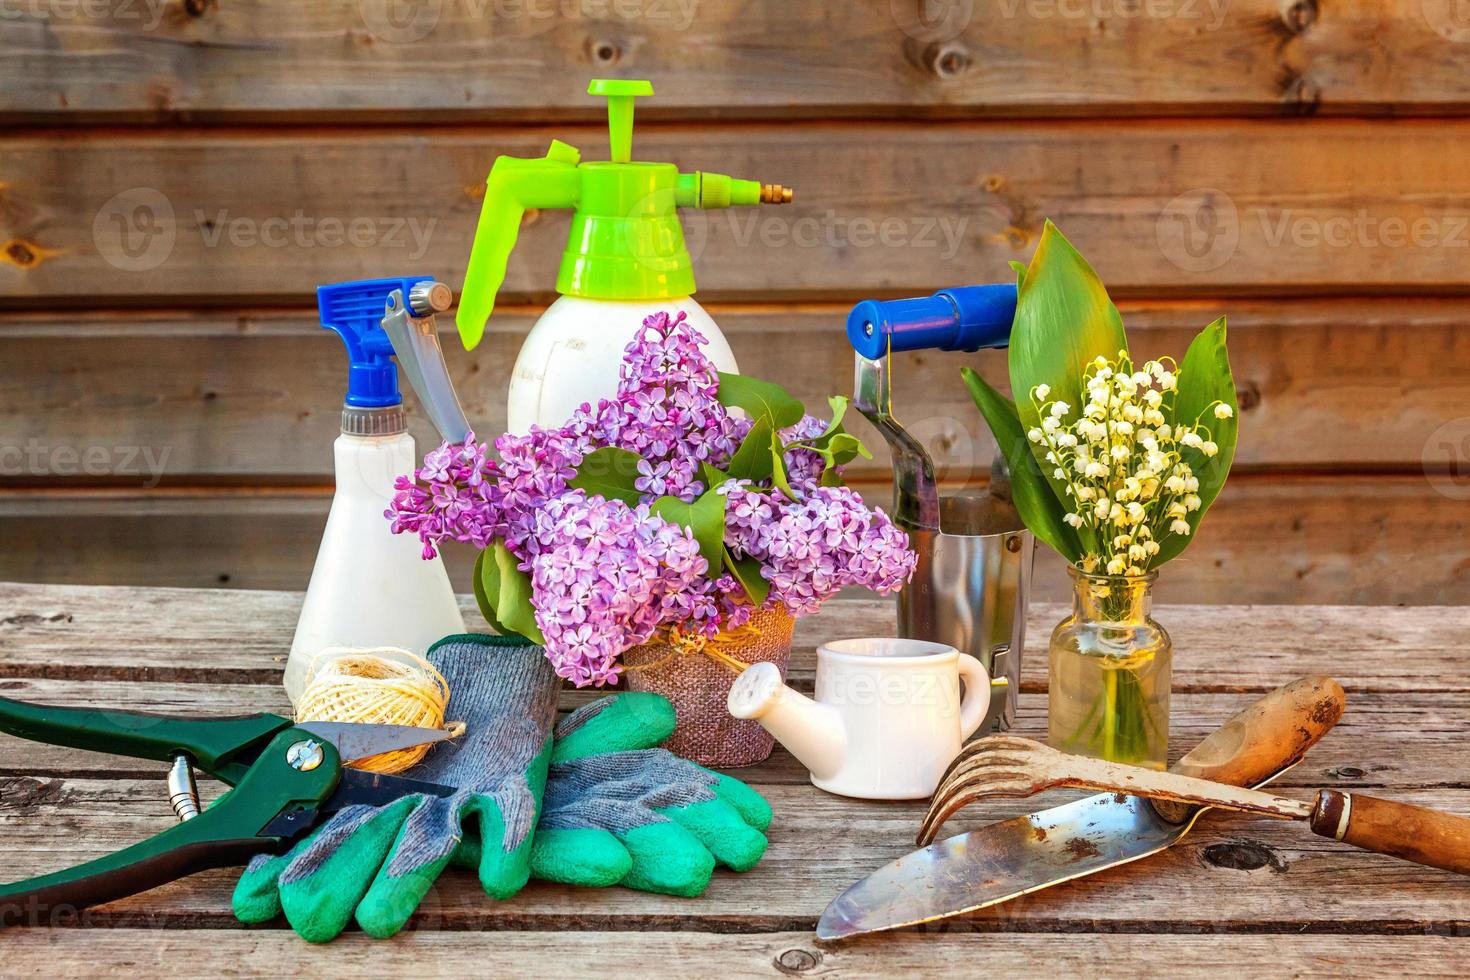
[1118, 460]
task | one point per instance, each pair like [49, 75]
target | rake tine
[996, 766]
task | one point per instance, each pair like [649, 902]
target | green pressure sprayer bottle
[626, 258]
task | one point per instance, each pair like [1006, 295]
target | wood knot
[1300, 15]
[25, 791]
[21, 254]
[196, 8]
[1346, 772]
[794, 961]
[948, 60]
[1244, 855]
[1300, 95]
[1248, 396]
[604, 52]
[33, 619]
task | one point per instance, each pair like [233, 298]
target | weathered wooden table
[1238, 896]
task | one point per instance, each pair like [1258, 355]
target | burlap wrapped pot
[698, 685]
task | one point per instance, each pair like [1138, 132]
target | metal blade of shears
[355, 788]
[354, 741]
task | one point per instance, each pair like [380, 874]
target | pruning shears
[286, 777]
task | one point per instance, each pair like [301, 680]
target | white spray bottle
[370, 587]
[624, 260]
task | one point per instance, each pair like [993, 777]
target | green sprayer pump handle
[514, 184]
[213, 744]
[269, 807]
[626, 242]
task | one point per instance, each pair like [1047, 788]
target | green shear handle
[213, 744]
[272, 803]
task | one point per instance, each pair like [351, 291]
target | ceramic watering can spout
[812, 732]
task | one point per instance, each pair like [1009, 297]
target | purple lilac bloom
[606, 576]
[455, 494]
[803, 466]
[811, 548]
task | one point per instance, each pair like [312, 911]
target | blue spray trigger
[354, 311]
[965, 318]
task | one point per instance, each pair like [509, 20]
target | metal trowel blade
[1002, 861]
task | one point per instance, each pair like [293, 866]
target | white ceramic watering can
[887, 719]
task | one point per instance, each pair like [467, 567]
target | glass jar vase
[1108, 695]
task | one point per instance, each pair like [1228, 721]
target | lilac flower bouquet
[657, 510]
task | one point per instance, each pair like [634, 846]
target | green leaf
[712, 476]
[1037, 504]
[503, 592]
[760, 399]
[1064, 319]
[838, 404]
[1019, 268]
[843, 448]
[747, 572]
[1204, 378]
[705, 519]
[752, 461]
[779, 479]
[482, 599]
[831, 478]
[609, 472]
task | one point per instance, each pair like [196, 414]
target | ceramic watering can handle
[977, 694]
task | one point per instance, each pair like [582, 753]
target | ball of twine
[377, 686]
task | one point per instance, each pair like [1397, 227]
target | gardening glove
[380, 861]
[618, 812]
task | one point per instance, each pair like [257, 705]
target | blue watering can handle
[965, 318]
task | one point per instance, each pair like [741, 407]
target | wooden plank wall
[176, 176]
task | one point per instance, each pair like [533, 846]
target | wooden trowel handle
[1440, 840]
[1270, 735]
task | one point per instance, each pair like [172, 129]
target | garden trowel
[1016, 857]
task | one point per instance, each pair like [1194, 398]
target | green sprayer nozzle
[626, 242]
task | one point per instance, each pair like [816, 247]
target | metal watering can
[973, 578]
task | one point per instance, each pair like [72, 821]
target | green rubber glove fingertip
[751, 806]
[257, 896]
[391, 902]
[667, 860]
[619, 723]
[720, 827]
[588, 857]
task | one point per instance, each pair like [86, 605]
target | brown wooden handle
[1268, 736]
[1263, 739]
[1414, 833]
